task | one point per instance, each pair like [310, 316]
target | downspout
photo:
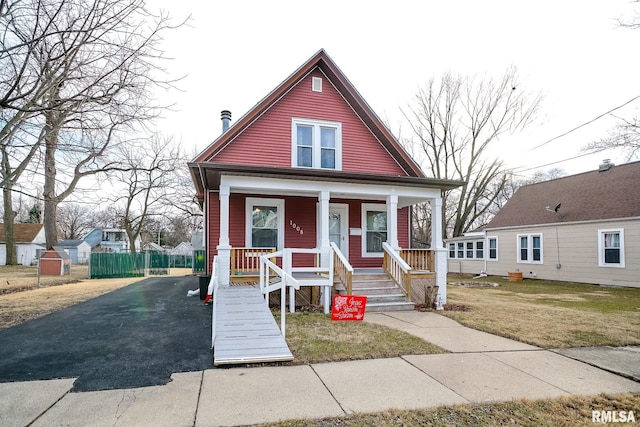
[205, 212]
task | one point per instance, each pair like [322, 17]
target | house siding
[301, 212]
[575, 248]
[271, 132]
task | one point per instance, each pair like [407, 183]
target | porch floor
[246, 331]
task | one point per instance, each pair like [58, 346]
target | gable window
[374, 222]
[264, 223]
[611, 248]
[316, 144]
[493, 248]
[530, 248]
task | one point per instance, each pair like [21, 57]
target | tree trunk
[10, 241]
[49, 192]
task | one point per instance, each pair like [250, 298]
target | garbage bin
[204, 285]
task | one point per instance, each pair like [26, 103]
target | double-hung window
[493, 248]
[316, 144]
[374, 221]
[611, 248]
[264, 223]
[530, 248]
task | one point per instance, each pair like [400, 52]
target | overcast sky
[233, 53]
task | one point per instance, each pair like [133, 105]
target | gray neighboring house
[580, 228]
[110, 240]
[79, 250]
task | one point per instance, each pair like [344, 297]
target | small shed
[79, 250]
[55, 261]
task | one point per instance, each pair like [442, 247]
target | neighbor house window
[316, 144]
[374, 222]
[265, 223]
[469, 249]
[466, 250]
[493, 248]
[480, 249]
[530, 248]
[611, 248]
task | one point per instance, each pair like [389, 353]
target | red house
[312, 166]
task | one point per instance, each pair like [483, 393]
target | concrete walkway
[480, 368]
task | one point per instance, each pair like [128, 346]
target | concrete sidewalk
[480, 368]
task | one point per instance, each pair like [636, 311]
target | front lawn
[549, 314]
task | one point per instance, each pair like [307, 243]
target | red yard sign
[348, 307]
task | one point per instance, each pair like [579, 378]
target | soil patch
[476, 284]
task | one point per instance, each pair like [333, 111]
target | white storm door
[339, 227]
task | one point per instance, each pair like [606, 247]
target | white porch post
[437, 245]
[325, 243]
[224, 249]
[392, 221]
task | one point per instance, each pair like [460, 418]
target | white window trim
[530, 237]
[378, 207]
[601, 233]
[316, 157]
[250, 202]
[488, 249]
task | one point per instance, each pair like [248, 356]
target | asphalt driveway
[135, 336]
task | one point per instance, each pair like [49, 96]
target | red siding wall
[272, 132]
[299, 212]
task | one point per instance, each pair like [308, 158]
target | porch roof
[207, 176]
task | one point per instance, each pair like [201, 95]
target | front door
[339, 227]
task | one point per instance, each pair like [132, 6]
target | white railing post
[215, 282]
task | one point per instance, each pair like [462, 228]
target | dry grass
[18, 278]
[315, 338]
[565, 411]
[551, 314]
[26, 302]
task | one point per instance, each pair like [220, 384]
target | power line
[585, 124]
[556, 162]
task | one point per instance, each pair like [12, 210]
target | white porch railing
[397, 268]
[314, 275]
[342, 268]
[214, 283]
[281, 283]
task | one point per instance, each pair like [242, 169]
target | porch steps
[381, 291]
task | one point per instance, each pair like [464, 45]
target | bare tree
[74, 221]
[148, 181]
[84, 71]
[454, 122]
[625, 135]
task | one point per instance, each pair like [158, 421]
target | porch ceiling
[207, 176]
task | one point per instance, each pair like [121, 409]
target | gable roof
[322, 61]
[70, 243]
[611, 194]
[22, 233]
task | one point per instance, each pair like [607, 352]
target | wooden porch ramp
[246, 331]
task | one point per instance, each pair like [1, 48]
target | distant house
[580, 228]
[29, 239]
[79, 250]
[109, 240]
[151, 246]
[183, 248]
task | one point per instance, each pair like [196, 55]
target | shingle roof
[594, 195]
[70, 243]
[23, 233]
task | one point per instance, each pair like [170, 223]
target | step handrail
[286, 280]
[342, 268]
[214, 280]
[397, 268]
